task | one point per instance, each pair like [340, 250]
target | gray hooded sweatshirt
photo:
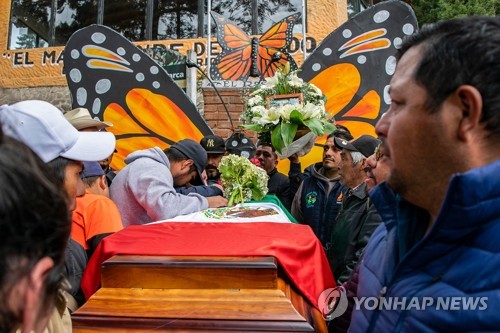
[144, 190]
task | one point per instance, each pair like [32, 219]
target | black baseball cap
[194, 151]
[365, 144]
[213, 144]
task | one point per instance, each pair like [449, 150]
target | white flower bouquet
[242, 180]
[283, 104]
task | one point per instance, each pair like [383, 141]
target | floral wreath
[276, 122]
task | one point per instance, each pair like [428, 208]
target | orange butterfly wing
[353, 66]
[276, 39]
[234, 62]
[239, 53]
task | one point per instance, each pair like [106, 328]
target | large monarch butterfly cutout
[354, 65]
[117, 82]
[243, 56]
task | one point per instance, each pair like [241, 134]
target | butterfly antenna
[192, 64]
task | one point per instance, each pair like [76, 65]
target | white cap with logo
[43, 128]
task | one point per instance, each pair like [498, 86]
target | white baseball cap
[43, 128]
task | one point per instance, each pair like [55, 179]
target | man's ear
[103, 183]
[187, 164]
[36, 315]
[471, 105]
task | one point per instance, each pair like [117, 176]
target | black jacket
[279, 185]
[354, 225]
[203, 190]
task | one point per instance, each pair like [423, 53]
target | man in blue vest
[436, 256]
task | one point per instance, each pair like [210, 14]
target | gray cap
[365, 144]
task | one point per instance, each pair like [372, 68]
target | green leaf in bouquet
[315, 125]
[257, 193]
[296, 117]
[276, 139]
[253, 127]
[329, 127]
[288, 131]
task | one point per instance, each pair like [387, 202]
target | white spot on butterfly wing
[121, 51]
[327, 51]
[316, 67]
[347, 33]
[408, 29]
[136, 57]
[387, 97]
[154, 70]
[98, 37]
[75, 75]
[156, 84]
[381, 16]
[397, 42]
[75, 54]
[96, 106]
[361, 59]
[81, 96]
[102, 86]
[390, 65]
[139, 77]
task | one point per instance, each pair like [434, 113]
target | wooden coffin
[195, 294]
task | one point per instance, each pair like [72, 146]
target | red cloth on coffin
[295, 246]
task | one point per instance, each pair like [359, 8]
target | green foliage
[242, 180]
[429, 11]
[279, 122]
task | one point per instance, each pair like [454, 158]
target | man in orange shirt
[96, 215]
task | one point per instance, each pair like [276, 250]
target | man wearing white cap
[43, 128]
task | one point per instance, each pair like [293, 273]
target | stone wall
[59, 96]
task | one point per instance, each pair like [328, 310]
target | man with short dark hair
[318, 197]
[144, 190]
[278, 184]
[216, 148]
[440, 240]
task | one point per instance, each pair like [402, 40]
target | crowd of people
[413, 212]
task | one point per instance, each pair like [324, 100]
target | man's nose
[383, 124]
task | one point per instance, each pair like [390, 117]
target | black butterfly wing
[119, 83]
[354, 64]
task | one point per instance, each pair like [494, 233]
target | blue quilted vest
[458, 260]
